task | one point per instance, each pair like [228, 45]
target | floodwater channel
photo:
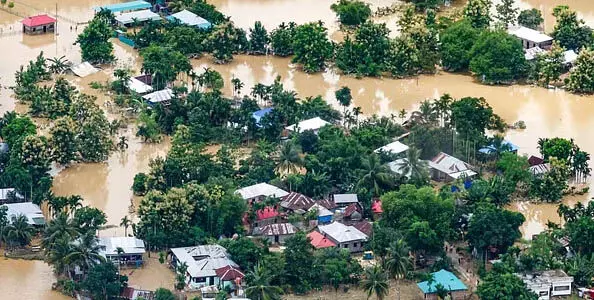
[547, 113]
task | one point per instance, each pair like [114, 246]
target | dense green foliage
[351, 12]
[531, 18]
[456, 43]
[94, 41]
[497, 57]
[312, 47]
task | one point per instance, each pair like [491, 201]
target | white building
[393, 148]
[163, 96]
[260, 191]
[139, 16]
[313, 124]
[133, 250]
[444, 167]
[207, 265]
[531, 38]
[28, 209]
[345, 237]
[548, 284]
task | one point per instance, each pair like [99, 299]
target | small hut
[39, 24]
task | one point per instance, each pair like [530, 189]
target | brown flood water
[107, 185]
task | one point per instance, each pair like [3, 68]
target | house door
[276, 239]
[44, 29]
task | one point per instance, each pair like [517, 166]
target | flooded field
[547, 113]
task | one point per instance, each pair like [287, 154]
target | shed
[277, 233]
[457, 289]
[140, 16]
[324, 215]
[189, 18]
[39, 24]
[28, 209]
[123, 7]
[138, 86]
[84, 69]
[319, 241]
[162, 96]
[531, 38]
[393, 148]
[313, 124]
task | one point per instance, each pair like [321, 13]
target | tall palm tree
[56, 256]
[442, 107]
[58, 228]
[18, 233]
[356, 112]
[125, 222]
[73, 203]
[289, 159]
[414, 167]
[259, 287]
[375, 281]
[398, 263]
[375, 175]
[56, 204]
[237, 86]
[85, 252]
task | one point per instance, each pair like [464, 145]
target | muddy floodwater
[547, 113]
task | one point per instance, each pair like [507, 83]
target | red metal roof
[319, 241]
[228, 273]
[266, 213]
[352, 208]
[376, 207]
[39, 20]
[364, 226]
[295, 201]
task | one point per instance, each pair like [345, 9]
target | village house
[189, 18]
[376, 209]
[162, 97]
[364, 226]
[345, 237]
[531, 38]
[324, 214]
[28, 209]
[133, 250]
[138, 17]
[392, 148]
[259, 114]
[207, 265]
[276, 233]
[506, 145]
[296, 203]
[455, 287]
[548, 284]
[353, 212]
[39, 24]
[314, 124]
[444, 167]
[398, 167]
[344, 200]
[131, 293]
[138, 86]
[267, 215]
[260, 191]
[119, 8]
[319, 241]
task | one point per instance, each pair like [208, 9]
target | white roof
[138, 86]
[310, 124]
[396, 167]
[345, 198]
[139, 15]
[84, 69]
[342, 233]
[529, 34]
[203, 260]
[322, 211]
[261, 189]
[130, 245]
[159, 96]
[5, 193]
[189, 18]
[540, 169]
[451, 166]
[394, 148]
[569, 56]
[531, 53]
[27, 209]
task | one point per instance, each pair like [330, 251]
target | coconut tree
[125, 222]
[344, 98]
[18, 233]
[85, 252]
[289, 159]
[375, 175]
[398, 263]
[73, 203]
[58, 65]
[414, 167]
[260, 91]
[375, 282]
[356, 112]
[237, 86]
[60, 227]
[259, 287]
[442, 108]
[56, 255]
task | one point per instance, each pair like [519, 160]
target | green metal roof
[447, 279]
[133, 5]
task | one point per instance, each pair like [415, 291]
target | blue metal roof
[490, 149]
[258, 115]
[118, 7]
[447, 279]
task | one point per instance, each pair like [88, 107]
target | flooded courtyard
[547, 113]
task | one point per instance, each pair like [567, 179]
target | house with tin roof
[444, 167]
[296, 202]
[260, 191]
[343, 200]
[457, 290]
[206, 264]
[276, 233]
[319, 241]
[28, 209]
[39, 24]
[345, 237]
[133, 250]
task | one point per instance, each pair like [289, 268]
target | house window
[345, 246]
[561, 288]
[355, 245]
[543, 293]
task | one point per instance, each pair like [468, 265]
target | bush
[351, 12]
[139, 185]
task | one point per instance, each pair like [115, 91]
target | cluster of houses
[535, 43]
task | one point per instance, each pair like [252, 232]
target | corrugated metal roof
[27, 209]
[118, 7]
[130, 245]
[444, 278]
[203, 260]
[309, 124]
[39, 20]
[394, 148]
[529, 34]
[140, 16]
[277, 229]
[159, 96]
[84, 69]
[261, 190]
[189, 18]
[342, 233]
[450, 165]
[345, 198]
[295, 201]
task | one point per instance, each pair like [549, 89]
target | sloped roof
[38, 20]
[364, 226]
[138, 86]
[189, 18]
[130, 245]
[295, 201]
[261, 189]
[326, 203]
[529, 34]
[204, 260]
[266, 213]
[322, 211]
[376, 207]
[277, 229]
[140, 16]
[447, 279]
[84, 69]
[397, 167]
[491, 148]
[319, 241]
[569, 56]
[394, 148]
[28, 209]
[450, 165]
[159, 96]
[309, 124]
[345, 198]
[228, 273]
[532, 53]
[540, 169]
[6, 192]
[342, 233]
[352, 208]
[535, 160]
[132, 5]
